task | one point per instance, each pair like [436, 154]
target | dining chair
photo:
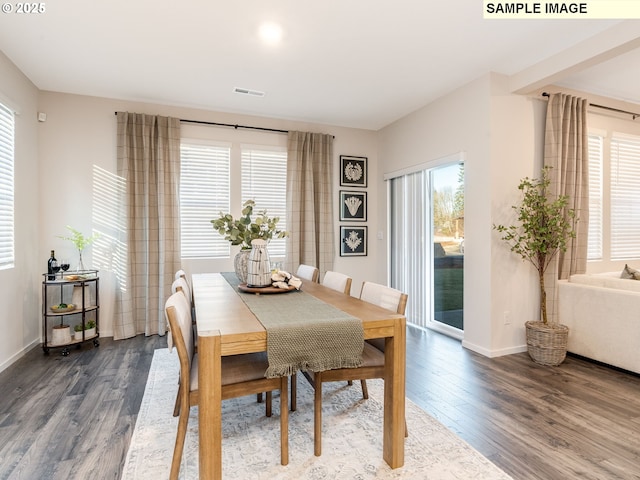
[180, 285]
[182, 274]
[337, 281]
[372, 357]
[308, 272]
[241, 375]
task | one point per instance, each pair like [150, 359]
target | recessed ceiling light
[270, 33]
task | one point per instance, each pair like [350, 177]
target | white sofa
[602, 312]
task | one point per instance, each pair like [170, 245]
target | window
[596, 151]
[264, 179]
[614, 198]
[625, 197]
[7, 135]
[204, 193]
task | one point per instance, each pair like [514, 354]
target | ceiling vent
[246, 91]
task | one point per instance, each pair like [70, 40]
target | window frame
[7, 186]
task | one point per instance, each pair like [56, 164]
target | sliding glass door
[426, 212]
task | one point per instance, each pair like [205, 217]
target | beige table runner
[303, 332]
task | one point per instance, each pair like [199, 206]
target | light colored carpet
[352, 437]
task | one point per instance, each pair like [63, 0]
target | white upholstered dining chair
[337, 281]
[307, 272]
[241, 375]
[183, 275]
[372, 357]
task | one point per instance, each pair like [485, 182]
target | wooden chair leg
[317, 416]
[365, 390]
[179, 447]
[349, 382]
[259, 397]
[269, 399]
[294, 392]
[284, 421]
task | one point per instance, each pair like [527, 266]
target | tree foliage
[543, 228]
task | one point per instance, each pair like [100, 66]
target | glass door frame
[430, 323]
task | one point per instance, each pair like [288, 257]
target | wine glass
[64, 265]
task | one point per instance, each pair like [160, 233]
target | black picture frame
[353, 206]
[353, 171]
[353, 241]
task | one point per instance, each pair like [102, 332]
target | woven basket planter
[547, 344]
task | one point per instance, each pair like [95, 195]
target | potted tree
[543, 228]
[241, 231]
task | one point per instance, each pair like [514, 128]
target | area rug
[352, 437]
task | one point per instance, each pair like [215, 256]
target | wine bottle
[50, 264]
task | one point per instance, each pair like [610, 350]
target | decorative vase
[61, 335]
[90, 332]
[77, 296]
[547, 344]
[240, 265]
[80, 266]
[259, 267]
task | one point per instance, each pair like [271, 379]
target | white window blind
[625, 197]
[594, 247]
[264, 179]
[204, 193]
[7, 149]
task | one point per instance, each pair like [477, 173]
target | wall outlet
[507, 317]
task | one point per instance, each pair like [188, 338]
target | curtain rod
[236, 126]
[633, 115]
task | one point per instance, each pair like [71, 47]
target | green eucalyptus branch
[242, 230]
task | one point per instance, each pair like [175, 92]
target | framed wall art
[353, 241]
[353, 206]
[353, 171]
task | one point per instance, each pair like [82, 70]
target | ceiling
[353, 63]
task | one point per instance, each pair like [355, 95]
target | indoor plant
[89, 330]
[80, 242]
[544, 226]
[241, 231]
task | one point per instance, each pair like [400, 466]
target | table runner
[304, 333]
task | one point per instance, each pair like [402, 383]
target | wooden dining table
[226, 326]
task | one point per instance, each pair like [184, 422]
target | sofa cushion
[606, 280]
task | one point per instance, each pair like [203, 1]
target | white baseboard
[18, 355]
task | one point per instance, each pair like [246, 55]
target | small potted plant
[90, 329]
[241, 231]
[543, 228]
[80, 242]
[77, 329]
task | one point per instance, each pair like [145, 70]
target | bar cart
[70, 310]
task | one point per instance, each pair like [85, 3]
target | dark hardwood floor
[72, 417]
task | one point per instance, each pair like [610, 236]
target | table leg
[394, 396]
[210, 406]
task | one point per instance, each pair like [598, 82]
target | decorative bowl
[62, 308]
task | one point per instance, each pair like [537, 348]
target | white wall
[80, 132]
[497, 133]
[20, 286]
